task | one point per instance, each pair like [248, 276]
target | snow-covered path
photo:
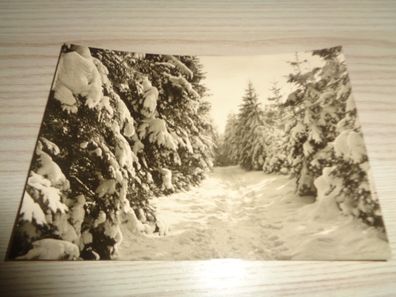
[251, 215]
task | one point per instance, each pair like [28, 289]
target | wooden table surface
[31, 33]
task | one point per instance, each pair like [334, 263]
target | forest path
[250, 215]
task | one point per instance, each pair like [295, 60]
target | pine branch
[92, 194]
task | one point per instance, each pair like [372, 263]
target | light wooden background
[31, 33]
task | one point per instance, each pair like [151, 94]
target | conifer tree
[227, 149]
[323, 140]
[274, 137]
[119, 128]
[322, 108]
[345, 175]
[295, 128]
[250, 118]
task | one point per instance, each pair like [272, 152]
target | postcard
[174, 157]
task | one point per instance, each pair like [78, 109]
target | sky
[227, 78]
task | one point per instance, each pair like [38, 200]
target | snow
[138, 146]
[113, 231]
[182, 83]
[49, 195]
[51, 170]
[188, 144]
[100, 219]
[166, 64]
[166, 179]
[126, 119]
[139, 55]
[77, 75]
[182, 141]
[315, 134]
[305, 181]
[157, 132]
[94, 93]
[103, 72]
[113, 162]
[66, 97]
[163, 228]
[350, 145]
[297, 130]
[198, 143]
[150, 97]
[180, 66]
[142, 215]
[51, 249]
[36, 179]
[252, 215]
[341, 147]
[105, 104]
[73, 72]
[64, 229]
[50, 146]
[150, 101]
[308, 149]
[358, 149]
[106, 187]
[86, 238]
[77, 213]
[350, 104]
[328, 188]
[81, 50]
[31, 211]
[322, 156]
[123, 153]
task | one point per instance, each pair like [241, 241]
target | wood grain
[31, 33]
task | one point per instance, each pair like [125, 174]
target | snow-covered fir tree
[242, 141]
[227, 143]
[344, 176]
[170, 92]
[249, 122]
[325, 147]
[326, 96]
[275, 140]
[119, 128]
[313, 135]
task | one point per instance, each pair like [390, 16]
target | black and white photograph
[173, 157]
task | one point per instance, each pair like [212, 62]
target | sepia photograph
[174, 157]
